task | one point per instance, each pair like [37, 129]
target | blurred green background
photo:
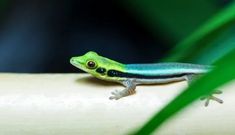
[212, 41]
[41, 35]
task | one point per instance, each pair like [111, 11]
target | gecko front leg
[129, 90]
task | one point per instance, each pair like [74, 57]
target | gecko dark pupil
[91, 64]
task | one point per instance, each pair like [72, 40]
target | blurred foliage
[222, 74]
[219, 47]
[212, 42]
[175, 19]
[3, 5]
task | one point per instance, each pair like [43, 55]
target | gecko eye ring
[91, 64]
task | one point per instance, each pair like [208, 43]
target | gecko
[131, 75]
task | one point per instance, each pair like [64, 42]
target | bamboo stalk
[73, 104]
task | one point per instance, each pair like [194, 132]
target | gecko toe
[112, 97]
[217, 92]
[211, 97]
[115, 92]
[116, 95]
[203, 98]
[217, 99]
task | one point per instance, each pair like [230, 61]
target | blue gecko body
[162, 69]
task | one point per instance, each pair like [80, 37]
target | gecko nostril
[72, 60]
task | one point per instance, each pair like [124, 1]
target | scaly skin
[102, 62]
[131, 75]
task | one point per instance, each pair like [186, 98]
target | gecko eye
[91, 64]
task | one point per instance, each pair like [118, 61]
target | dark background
[41, 35]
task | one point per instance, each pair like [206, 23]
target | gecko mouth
[75, 63]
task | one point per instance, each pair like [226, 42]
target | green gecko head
[97, 65]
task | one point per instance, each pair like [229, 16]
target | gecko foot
[116, 95]
[211, 97]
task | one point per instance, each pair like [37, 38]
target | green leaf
[202, 38]
[216, 49]
[223, 73]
